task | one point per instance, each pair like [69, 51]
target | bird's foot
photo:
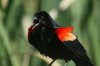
[51, 63]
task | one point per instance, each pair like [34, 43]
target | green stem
[5, 37]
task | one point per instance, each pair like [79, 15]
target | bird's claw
[51, 63]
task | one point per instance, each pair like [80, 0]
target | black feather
[79, 53]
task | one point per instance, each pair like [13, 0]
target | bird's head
[42, 20]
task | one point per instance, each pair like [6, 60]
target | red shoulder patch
[64, 33]
[67, 29]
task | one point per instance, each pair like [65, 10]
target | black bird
[55, 41]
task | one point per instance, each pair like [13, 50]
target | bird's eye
[36, 21]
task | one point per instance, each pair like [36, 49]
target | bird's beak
[35, 25]
[31, 29]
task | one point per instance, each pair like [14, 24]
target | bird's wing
[71, 42]
[75, 47]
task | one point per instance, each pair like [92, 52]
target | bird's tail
[82, 62]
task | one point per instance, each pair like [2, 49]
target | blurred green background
[17, 15]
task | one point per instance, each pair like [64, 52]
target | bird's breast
[48, 44]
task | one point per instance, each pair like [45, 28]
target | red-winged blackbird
[55, 41]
